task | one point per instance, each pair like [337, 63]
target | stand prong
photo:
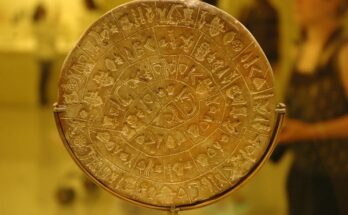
[173, 211]
[58, 108]
[281, 108]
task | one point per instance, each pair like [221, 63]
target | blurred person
[45, 33]
[317, 100]
[262, 20]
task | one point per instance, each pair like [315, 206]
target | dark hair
[39, 13]
[342, 9]
[90, 4]
[212, 2]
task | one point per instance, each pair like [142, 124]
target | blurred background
[37, 176]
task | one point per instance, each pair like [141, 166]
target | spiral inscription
[168, 103]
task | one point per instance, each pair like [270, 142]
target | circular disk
[167, 103]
